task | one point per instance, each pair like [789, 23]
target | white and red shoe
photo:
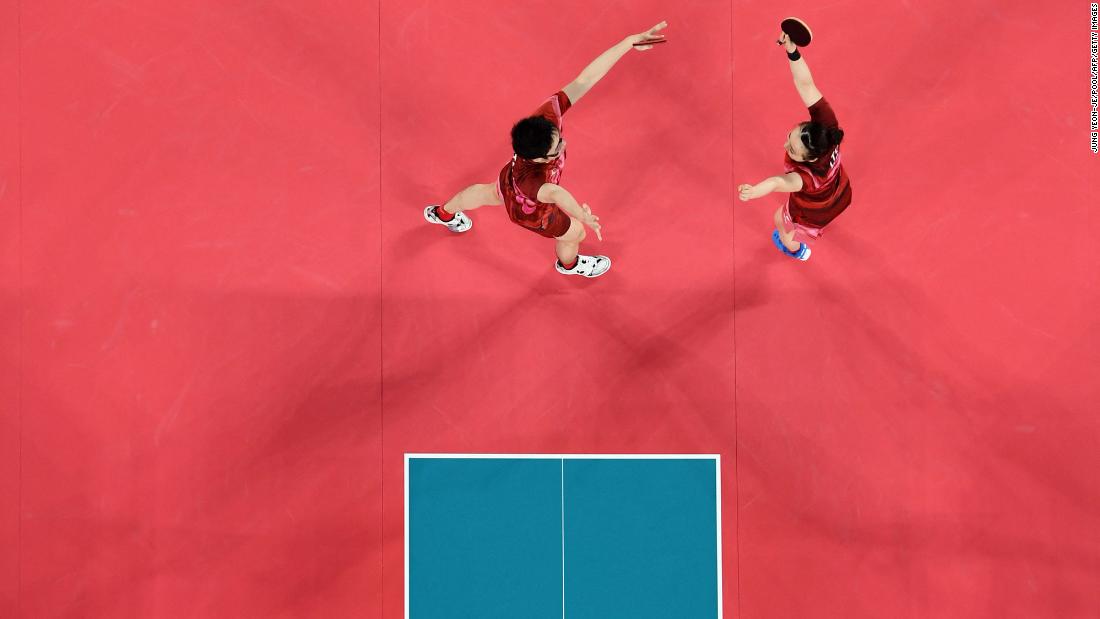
[460, 223]
[588, 266]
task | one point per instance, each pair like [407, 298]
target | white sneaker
[460, 223]
[588, 266]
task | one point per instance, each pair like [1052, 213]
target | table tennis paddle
[797, 30]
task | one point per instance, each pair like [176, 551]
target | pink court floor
[224, 321]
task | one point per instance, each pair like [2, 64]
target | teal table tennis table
[562, 536]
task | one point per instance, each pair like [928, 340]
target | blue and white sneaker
[460, 223]
[802, 254]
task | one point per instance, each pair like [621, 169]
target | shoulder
[821, 111]
[548, 192]
[560, 102]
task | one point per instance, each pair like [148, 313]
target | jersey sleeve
[789, 165]
[821, 112]
[554, 107]
[807, 179]
[563, 101]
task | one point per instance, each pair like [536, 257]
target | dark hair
[532, 137]
[820, 139]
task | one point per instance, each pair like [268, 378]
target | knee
[575, 233]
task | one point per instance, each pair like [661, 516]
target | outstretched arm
[599, 67]
[803, 81]
[788, 183]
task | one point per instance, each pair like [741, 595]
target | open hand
[591, 220]
[648, 35]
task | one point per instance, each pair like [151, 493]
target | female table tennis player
[814, 177]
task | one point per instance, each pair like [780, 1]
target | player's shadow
[663, 377]
[911, 526]
[969, 400]
[967, 396]
[642, 352]
[977, 382]
[407, 384]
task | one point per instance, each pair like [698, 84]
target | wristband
[795, 55]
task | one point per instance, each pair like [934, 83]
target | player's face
[794, 146]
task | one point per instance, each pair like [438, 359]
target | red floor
[225, 321]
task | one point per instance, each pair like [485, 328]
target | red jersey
[826, 191]
[521, 179]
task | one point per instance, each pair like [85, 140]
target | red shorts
[543, 219]
[802, 232]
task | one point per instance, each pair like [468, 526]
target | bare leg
[787, 237]
[568, 245]
[472, 197]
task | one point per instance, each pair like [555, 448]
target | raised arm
[599, 67]
[803, 81]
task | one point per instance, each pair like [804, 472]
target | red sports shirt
[826, 191]
[521, 179]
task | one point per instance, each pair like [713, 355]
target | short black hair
[820, 139]
[532, 137]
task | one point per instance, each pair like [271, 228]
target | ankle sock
[442, 214]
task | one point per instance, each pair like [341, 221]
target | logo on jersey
[527, 205]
